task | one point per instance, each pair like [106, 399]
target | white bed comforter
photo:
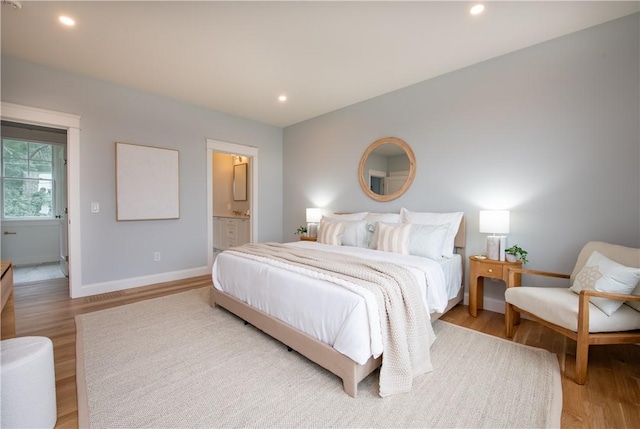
[342, 317]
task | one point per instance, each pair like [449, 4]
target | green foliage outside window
[27, 179]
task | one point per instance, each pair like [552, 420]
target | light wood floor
[610, 398]
[45, 309]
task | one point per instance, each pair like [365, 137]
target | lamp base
[312, 230]
[496, 245]
[493, 247]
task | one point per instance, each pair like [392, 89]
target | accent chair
[601, 306]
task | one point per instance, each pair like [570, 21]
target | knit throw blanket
[406, 329]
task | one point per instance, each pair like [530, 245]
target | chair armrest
[513, 271]
[583, 307]
[609, 295]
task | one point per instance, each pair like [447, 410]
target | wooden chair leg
[582, 348]
[509, 319]
[582, 357]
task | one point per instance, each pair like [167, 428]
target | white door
[60, 183]
[393, 184]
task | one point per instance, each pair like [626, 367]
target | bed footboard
[327, 357]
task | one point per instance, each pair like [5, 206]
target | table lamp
[314, 215]
[495, 222]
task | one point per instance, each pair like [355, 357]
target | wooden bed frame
[324, 355]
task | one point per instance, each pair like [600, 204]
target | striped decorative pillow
[330, 232]
[393, 238]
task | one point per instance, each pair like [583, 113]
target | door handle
[9, 233]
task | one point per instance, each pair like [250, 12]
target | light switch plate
[95, 207]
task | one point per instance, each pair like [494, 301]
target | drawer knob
[490, 270]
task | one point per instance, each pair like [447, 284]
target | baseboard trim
[133, 282]
[24, 261]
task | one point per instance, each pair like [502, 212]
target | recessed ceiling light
[67, 21]
[282, 98]
[477, 9]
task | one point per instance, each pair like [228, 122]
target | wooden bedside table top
[475, 258]
[302, 238]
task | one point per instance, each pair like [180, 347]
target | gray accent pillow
[427, 240]
[354, 233]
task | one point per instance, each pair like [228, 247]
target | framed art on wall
[147, 183]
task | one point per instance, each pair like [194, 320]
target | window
[27, 179]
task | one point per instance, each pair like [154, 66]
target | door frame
[62, 210]
[232, 149]
[71, 123]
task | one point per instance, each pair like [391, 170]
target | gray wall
[114, 250]
[549, 132]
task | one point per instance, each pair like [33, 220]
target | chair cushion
[560, 307]
[602, 274]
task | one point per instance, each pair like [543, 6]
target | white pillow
[347, 216]
[393, 238]
[383, 217]
[330, 232]
[602, 274]
[372, 222]
[452, 220]
[427, 240]
[354, 232]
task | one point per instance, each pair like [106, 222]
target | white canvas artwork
[147, 183]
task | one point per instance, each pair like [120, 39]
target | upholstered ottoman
[28, 390]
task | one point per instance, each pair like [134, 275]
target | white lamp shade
[314, 215]
[494, 221]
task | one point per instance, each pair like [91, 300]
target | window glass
[27, 179]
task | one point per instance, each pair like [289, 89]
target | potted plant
[516, 252]
[302, 230]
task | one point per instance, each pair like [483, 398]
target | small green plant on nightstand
[518, 253]
[302, 230]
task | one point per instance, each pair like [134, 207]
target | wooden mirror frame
[412, 168]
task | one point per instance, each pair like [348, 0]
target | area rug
[176, 362]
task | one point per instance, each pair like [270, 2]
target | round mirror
[387, 169]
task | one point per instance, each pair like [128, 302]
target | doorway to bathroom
[232, 196]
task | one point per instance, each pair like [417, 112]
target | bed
[326, 323]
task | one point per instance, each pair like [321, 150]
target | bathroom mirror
[387, 169]
[240, 182]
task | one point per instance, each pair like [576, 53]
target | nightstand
[481, 268]
[303, 238]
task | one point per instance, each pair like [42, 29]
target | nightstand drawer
[487, 269]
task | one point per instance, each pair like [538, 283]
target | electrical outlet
[156, 256]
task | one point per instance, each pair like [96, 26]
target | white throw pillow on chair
[602, 274]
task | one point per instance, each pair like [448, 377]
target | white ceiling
[238, 57]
